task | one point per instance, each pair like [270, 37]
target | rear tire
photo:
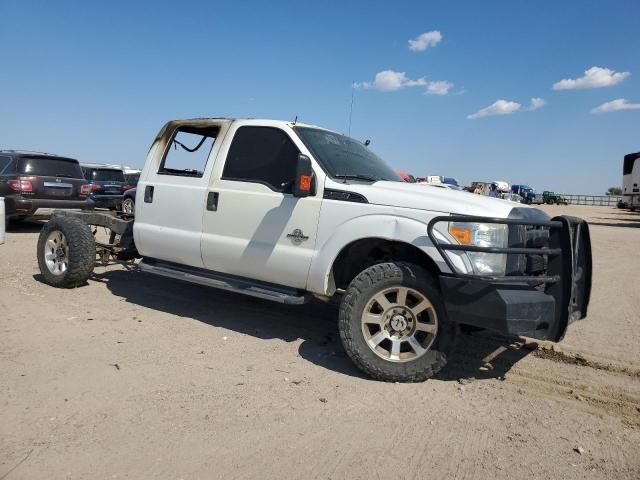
[386, 329]
[66, 252]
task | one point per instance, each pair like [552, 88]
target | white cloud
[507, 107]
[389, 81]
[440, 87]
[595, 77]
[424, 41]
[499, 107]
[536, 103]
[615, 105]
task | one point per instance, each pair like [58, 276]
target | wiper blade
[63, 176]
[359, 176]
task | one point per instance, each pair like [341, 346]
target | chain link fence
[599, 200]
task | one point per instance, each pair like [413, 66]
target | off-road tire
[81, 256]
[355, 299]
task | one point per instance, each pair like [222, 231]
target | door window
[189, 151]
[263, 155]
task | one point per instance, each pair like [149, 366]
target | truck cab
[287, 211]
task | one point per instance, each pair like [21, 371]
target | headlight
[483, 235]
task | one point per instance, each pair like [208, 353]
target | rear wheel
[66, 252]
[393, 323]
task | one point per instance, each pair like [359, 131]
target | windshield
[107, 175]
[49, 167]
[344, 157]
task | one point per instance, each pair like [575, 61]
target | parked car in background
[108, 184]
[34, 184]
[407, 177]
[128, 205]
[131, 176]
[527, 193]
[550, 198]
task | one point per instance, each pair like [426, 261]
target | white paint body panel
[247, 235]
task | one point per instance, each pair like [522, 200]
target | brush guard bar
[541, 306]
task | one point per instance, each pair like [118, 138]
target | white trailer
[631, 180]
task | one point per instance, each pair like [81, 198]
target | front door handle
[212, 201]
[148, 194]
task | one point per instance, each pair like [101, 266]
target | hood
[423, 196]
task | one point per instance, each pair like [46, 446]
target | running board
[266, 291]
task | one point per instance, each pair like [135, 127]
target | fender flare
[384, 226]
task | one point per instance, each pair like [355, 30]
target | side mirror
[303, 183]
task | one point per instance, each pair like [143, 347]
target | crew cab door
[253, 226]
[171, 193]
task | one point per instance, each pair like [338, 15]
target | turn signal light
[305, 182]
[95, 187]
[85, 189]
[126, 187]
[462, 235]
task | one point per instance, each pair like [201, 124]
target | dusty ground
[139, 377]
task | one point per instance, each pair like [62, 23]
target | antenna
[353, 88]
[295, 120]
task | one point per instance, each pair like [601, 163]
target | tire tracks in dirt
[602, 397]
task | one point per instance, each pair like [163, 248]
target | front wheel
[66, 252]
[393, 323]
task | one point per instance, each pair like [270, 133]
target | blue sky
[96, 80]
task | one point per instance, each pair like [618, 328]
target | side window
[188, 151]
[4, 163]
[262, 155]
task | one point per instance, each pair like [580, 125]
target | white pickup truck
[285, 212]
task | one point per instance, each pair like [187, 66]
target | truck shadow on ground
[314, 323]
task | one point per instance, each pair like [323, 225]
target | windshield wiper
[60, 175]
[357, 176]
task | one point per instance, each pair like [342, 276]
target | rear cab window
[49, 167]
[188, 151]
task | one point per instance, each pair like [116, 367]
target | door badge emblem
[297, 236]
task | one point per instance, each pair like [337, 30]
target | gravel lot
[134, 376]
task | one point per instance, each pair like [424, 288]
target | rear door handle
[148, 194]
[212, 201]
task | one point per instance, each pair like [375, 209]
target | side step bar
[266, 291]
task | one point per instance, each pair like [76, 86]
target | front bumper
[539, 306]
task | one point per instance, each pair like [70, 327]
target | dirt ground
[134, 376]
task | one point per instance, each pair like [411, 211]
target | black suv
[107, 184]
[33, 184]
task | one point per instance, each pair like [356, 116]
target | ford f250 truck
[285, 212]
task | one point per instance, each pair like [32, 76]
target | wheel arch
[364, 241]
[365, 252]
